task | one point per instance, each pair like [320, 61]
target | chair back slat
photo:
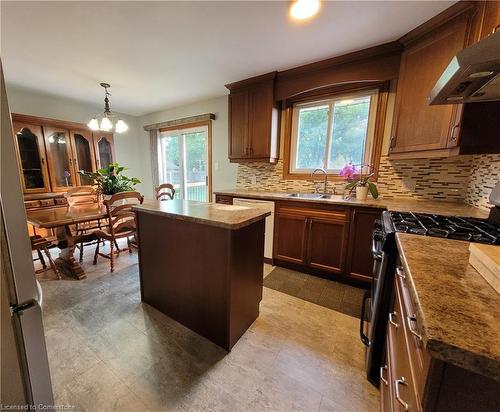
[165, 191]
[120, 216]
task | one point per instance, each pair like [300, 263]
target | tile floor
[108, 351]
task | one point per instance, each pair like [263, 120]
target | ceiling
[158, 55]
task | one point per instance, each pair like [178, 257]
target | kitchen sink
[313, 196]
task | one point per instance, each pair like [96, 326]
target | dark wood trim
[251, 81]
[384, 49]
[442, 18]
[177, 123]
[380, 116]
[45, 121]
[185, 125]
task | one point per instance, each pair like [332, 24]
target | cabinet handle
[391, 144]
[400, 273]
[391, 319]
[43, 160]
[401, 381]
[411, 321]
[454, 136]
[382, 369]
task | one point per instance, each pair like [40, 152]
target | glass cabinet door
[62, 171]
[31, 153]
[83, 155]
[104, 149]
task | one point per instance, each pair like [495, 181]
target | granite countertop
[395, 205]
[457, 310]
[213, 214]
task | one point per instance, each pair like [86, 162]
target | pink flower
[348, 171]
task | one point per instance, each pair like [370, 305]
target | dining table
[61, 220]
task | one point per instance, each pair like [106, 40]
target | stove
[459, 228]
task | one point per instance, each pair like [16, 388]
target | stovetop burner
[460, 228]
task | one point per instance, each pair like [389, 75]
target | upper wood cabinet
[84, 158]
[253, 120]
[417, 125]
[52, 152]
[104, 149]
[421, 130]
[30, 149]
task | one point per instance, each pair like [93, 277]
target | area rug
[332, 295]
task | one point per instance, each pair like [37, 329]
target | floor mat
[333, 295]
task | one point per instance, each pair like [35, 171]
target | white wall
[128, 146]
[223, 172]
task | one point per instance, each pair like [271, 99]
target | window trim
[329, 94]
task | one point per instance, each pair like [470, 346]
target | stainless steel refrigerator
[25, 376]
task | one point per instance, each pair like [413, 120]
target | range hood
[473, 75]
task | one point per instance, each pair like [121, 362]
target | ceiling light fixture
[106, 123]
[303, 9]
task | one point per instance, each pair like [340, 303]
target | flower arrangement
[361, 184]
[110, 180]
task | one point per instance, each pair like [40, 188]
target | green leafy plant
[349, 170]
[110, 179]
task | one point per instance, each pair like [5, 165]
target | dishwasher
[268, 206]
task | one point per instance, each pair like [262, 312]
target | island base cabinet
[205, 277]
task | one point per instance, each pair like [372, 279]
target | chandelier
[106, 123]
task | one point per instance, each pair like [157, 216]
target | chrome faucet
[325, 181]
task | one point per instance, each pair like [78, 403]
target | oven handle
[375, 252]
[365, 339]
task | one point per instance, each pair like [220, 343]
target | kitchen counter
[457, 310]
[213, 214]
[399, 205]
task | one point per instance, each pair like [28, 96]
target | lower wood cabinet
[312, 236]
[360, 258]
[290, 237]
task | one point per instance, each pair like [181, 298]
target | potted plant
[111, 180]
[361, 183]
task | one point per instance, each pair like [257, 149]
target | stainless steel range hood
[473, 75]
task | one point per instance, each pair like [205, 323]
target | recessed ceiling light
[303, 9]
[478, 75]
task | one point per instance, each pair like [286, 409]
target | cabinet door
[327, 244]
[360, 259]
[60, 158]
[31, 158]
[260, 121]
[104, 149]
[419, 126]
[83, 155]
[290, 238]
[238, 124]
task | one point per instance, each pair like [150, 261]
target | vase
[361, 192]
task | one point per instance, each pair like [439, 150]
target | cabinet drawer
[403, 388]
[31, 204]
[61, 201]
[225, 200]
[419, 359]
[47, 202]
[311, 211]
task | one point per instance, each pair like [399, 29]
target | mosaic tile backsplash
[460, 178]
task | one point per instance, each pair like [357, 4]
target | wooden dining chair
[120, 224]
[81, 196]
[164, 191]
[41, 245]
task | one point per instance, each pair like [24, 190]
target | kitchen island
[201, 264]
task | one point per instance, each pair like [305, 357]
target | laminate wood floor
[110, 352]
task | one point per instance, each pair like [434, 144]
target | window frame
[330, 94]
[186, 128]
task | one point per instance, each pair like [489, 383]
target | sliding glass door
[183, 158]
